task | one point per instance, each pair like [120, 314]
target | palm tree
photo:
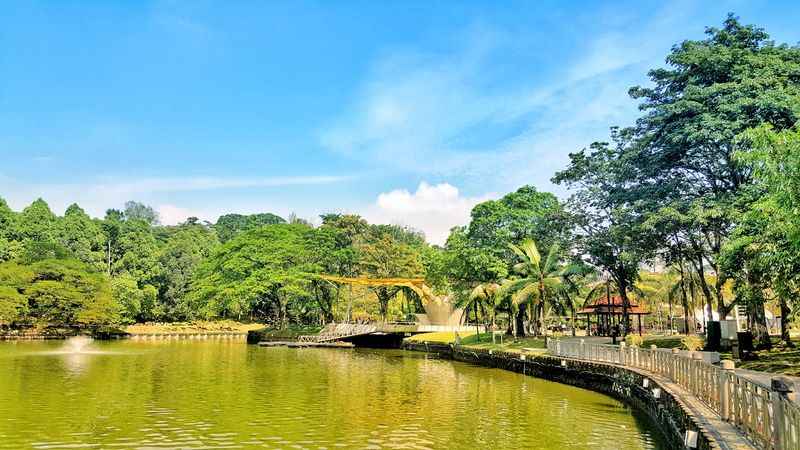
[481, 297]
[486, 293]
[574, 278]
[538, 280]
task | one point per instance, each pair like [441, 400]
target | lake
[226, 394]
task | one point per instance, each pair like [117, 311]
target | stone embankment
[669, 410]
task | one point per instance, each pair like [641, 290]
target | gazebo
[608, 313]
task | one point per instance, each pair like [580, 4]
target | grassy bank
[192, 327]
[780, 359]
[483, 341]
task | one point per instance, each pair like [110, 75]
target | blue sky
[404, 112]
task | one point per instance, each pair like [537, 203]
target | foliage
[230, 225]
[265, 271]
[136, 211]
[692, 342]
[537, 281]
[634, 340]
[56, 292]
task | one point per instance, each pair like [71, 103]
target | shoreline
[672, 413]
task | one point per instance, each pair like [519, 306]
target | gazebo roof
[602, 305]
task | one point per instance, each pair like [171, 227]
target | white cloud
[173, 215]
[434, 209]
[97, 195]
[448, 116]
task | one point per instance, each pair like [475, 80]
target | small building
[605, 313]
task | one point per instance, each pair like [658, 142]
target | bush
[633, 340]
[692, 342]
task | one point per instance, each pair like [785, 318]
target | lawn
[483, 341]
[440, 337]
[781, 359]
[662, 341]
[191, 327]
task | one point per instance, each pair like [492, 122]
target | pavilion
[608, 313]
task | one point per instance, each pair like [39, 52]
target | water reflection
[75, 353]
[229, 395]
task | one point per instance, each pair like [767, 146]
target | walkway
[739, 409]
[725, 434]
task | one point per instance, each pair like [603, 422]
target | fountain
[77, 344]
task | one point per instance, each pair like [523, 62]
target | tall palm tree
[537, 282]
[486, 293]
[575, 277]
[479, 299]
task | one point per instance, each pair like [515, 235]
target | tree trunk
[572, 313]
[701, 275]
[623, 293]
[520, 323]
[760, 329]
[785, 322]
[685, 304]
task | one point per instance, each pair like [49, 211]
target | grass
[662, 341]
[191, 327]
[781, 359]
[482, 341]
[440, 337]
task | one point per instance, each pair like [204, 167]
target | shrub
[633, 340]
[692, 342]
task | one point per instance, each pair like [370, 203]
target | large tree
[82, 236]
[258, 274]
[609, 232]
[683, 147]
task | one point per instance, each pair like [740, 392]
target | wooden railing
[764, 414]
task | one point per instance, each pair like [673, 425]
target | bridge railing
[764, 414]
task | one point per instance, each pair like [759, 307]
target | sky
[404, 112]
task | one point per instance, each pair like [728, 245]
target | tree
[230, 225]
[609, 231]
[140, 211]
[386, 258]
[10, 247]
[80, 234]
[766, 241]
[683, 148]
[483, 297]
[58, 292]
[259, 274]
[36, 223]
[537, 283]
[137, 305]
[520, 215]
[186, 247]
[13, 303]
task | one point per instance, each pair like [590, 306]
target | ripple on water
[214, 395]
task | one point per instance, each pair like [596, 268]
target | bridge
[354, 331]
[440, 315]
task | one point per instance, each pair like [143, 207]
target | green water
[222, 394]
